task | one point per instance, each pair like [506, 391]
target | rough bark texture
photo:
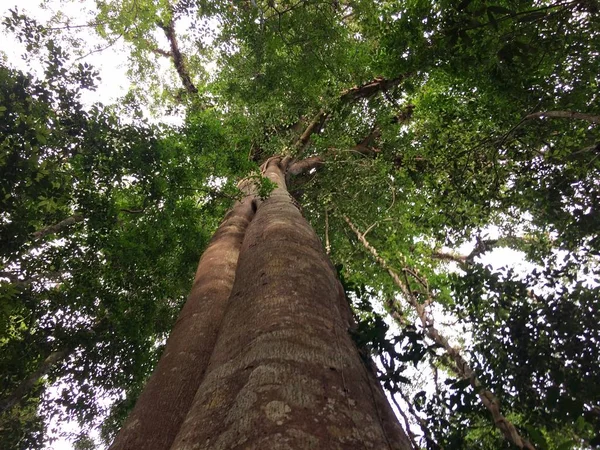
[284, 373]
[164, 402]
[459, 365]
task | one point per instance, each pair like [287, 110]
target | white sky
[111, 63]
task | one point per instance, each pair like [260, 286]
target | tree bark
[284, 373]
[177, 57]
[75, 218]
[164, 402]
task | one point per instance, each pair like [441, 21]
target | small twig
[327, 244]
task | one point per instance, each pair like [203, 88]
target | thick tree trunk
[164, 402]
[284, 373]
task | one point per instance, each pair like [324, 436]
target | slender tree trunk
[460, 366]
[284, 373]
[164, 402]
[29, 383]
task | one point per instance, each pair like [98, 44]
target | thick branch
[366, 90]
[305, 165]
[177, 57]
[161, 52]
[565, 115]
[460, 366]
[370, 88]
[410, 434]
[460, 259]
[422, 422]
[365, 147]
[75, 218]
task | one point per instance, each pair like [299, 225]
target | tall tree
[427, 125]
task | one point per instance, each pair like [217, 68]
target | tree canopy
[437, 127]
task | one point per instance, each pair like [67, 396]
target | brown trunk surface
[284, 373]
[166, 398]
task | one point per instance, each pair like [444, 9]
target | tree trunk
[284, 373]
[164, 402]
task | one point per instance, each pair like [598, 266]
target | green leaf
[500, 10]
[492, 19]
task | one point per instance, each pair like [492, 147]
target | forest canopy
[444, 135]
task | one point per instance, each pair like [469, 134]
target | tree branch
[159, 51]
[379, 84]
[461, 366]
[411, 435]
[305, 165]
[366, 90]
[29, 383]
[52, 229]
[177, 56]
[365, 146]
[54, 358]
[565, 115]
[460, 259]
[313, 127]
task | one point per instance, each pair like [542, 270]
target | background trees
[429, 119]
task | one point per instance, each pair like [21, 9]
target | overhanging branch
[52, 229]
[364, 91]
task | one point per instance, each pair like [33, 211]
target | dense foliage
[429, 118]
